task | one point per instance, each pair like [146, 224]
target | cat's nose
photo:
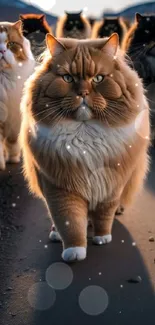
[83, 93]
[2, 51]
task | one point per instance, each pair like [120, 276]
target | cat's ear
[54, 46]
[120, 19]
[42, 17]
[21, 17]
[138, 17]
[80, 12]
[18, 25]
[66, 12]
[112, 44]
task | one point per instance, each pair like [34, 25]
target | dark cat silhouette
[73, 25]
[139, 44]
[35, 28]
[108, 26]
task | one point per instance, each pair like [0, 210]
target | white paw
[54, 236]
[74, 253]
[100, 240]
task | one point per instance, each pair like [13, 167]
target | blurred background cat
[35, 28]
[16, 64]
[73, 25]
[108, 26]
[139, 44]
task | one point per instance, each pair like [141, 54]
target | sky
[91, 6]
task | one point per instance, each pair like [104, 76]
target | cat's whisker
[48, 113]
[151, 101]
[46, 110]
[113, 112]
[59, 118]
[114, 109]
[142, 51]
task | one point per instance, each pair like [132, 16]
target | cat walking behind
[108, 26]
[35, 27]
[16, 65]
[85, 135]
[73, 25]
[139, 45]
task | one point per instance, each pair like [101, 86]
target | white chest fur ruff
[87, 144]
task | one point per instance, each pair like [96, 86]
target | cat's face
[34, 23]
[110, 26]
[74, 21]
[11, 44]
[145, 31]
[82, 81]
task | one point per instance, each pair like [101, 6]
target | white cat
[16, 65]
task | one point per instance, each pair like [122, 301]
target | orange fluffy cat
[84, 135]
[16, 65]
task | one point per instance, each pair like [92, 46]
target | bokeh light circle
[93, 300]
[59, 275]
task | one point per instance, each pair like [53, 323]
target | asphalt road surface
[114, 286]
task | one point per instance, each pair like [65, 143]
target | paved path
[26, 254]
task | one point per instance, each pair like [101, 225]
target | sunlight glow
[43, 4]
[90, 7]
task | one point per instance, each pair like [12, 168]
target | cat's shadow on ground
[110, 267]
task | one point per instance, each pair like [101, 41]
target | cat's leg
[2, 154]
[13, 149]
[135, 182]
[69, 213]
[103, 218]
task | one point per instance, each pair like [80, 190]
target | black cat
[140, 47]
[35, 28]
[139, 44]
[109, 26]
[73, 25]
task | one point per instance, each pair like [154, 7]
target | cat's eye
[10, 44]
[68, 78]
[13, 45]
[99, 78]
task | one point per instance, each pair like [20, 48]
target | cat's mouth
[3, 62]
[83, 113]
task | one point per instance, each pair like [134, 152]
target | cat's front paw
[101, 240]
[74, 253]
